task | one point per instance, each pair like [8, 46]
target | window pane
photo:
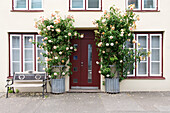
[93, 3]
[155, 67]
[89, 63]
[36, 4]
[142, 68]
[136, 2]
[142, 41]
[28, 66]
[15, 42]
[40, 67]
[129, 44]
[20, 3]
[15, 55]
[77, 3]
[155, 41]
[41, 56]
[28, 55]
[28, 44]
[149, 3]
[16, 67]
[39, 39]
[155, 55]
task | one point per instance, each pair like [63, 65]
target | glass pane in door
[89, 63]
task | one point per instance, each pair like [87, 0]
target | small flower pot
[112, 85]
[58, 85]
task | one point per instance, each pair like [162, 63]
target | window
[27, 5]
[23, 54]
[143, 5]
[85, 5]
[151, 66]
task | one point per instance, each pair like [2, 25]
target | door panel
[87, 70]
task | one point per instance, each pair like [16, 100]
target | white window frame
[11, 53]
[160, 55]
[35, 8]
[149, 8]
[139, 5]
[93, 8]
[142, 75]
[37, 54]
[134, 46]
[77, 8]
[20, 8]
[24, 53]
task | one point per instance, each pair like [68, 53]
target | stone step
[84, 91]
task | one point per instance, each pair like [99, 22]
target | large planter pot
[112, 85]
[58, 85]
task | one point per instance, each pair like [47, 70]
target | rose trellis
[114, 34]
[57, 33]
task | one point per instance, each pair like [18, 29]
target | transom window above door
[85, 5]
[27, 5]
[143, 5]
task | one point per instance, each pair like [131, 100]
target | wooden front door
[85, 70]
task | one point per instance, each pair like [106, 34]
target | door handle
[81, 63]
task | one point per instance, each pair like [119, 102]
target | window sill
[85, 10]
[27, 10]
[147, 78]
[146, 10]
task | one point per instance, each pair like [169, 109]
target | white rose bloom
[56, 57]
[49, 76]
[111, 37]
[128, 72]
[30, 40]
[55, 47]
[60, 52]
[43, 68]
[63, 73]
[99, 71]
[46, 58]
[107, 75]
[82, 36]
[104, 20]
[55, 73]
[97, 62]
[71, 47]
[67, 48]
[112, 44]
[121, 61]
[129, 34]
[107, 44]
[50, 41]
[41, 54]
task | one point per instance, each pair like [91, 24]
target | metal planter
[112, 85]
[58, 85]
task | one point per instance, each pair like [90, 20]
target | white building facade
[153, 30]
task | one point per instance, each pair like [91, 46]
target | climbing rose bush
[113, 37]
[57, 33]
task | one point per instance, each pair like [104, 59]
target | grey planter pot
[58, 85]
[112, 85]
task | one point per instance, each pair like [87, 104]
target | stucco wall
[24, 22]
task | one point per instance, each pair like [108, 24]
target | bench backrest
[29, 77]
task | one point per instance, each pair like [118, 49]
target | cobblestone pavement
[140, 102]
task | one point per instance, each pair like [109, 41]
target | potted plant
[115, 32]
[57, 33]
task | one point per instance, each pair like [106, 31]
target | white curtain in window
[93, 3]
[77, 3]
[15, 54]
[142, 41]
[149, 3]
[28, 53]
[20, 3]
[36, 4]
[136, 2]
[142, 68]
[155, 68]
[28, 66]
[15, 42]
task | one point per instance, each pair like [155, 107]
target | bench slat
[26, 85]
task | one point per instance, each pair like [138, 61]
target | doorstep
[84, 91]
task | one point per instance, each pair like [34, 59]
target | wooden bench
[28, 79]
